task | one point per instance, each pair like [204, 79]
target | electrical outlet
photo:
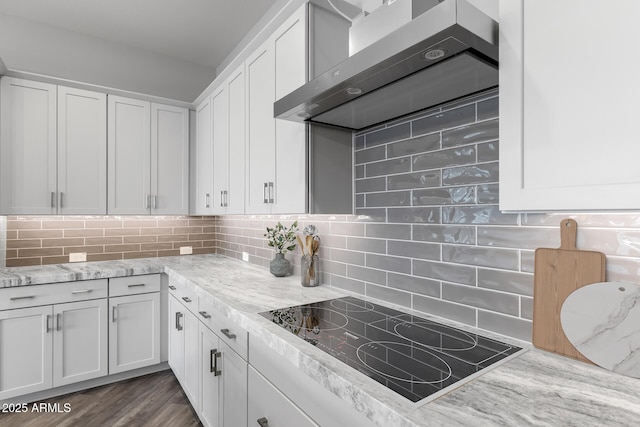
[77, 257]
[245, 256]
[186, 250]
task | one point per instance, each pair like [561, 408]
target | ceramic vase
[279, 266]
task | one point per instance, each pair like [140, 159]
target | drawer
[268, 406]
[227, 330]
[54, 293]
[186, 294]
[131, 285]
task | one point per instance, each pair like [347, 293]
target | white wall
[41, 49]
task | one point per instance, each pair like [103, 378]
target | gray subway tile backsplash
[448, 250]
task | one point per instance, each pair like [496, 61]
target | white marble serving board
[602, 321]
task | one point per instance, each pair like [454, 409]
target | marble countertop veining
[536, 388]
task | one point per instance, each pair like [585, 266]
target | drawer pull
[263, 422]
[19, 298]
[178, 325]
[84, 291]
[213, 362]
[186, 299]
[137, 285]
[228, 334]
[173, 288]
[205, 314]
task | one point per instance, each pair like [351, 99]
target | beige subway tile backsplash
[38, 240]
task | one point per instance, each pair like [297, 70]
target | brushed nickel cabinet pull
[178, 325]
[263, 422]
[213, 362]
[206, 200]
[58, 321]
[265, 190]
[222, 199]
[205, 314]
[228, 334]
[186, 299]
[61, 199]
[173, 288]
[271, 200]
[113, 314]
[53, 199]
[47, 320]
[137, 285]
[84, 291]
[24, 297]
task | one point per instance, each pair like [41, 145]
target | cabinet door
[169, 160]
[290, 142]
[191, 379]
[176, 337]
[237, 140]
[567, 131]
[204, 158]
[134, 332]
[260, 129]
[26, 349]
[209, 404]
[129, 156]
[266, 401]
[80, 341]
[219, 102]
[82, 152]
[233, 387]
[27, 147]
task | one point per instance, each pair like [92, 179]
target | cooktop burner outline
[359, 350]
[418, 358]
[418, 324]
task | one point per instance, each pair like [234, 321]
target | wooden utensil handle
[568, 233]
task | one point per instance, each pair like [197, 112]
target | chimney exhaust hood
[447, 52]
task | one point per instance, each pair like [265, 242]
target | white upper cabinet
[276, 150]
[82, 152]
[169, 160]
[567, 128]
[129, 156]
[220, 104]
[148, 158]
[52, 149]
[203, 157]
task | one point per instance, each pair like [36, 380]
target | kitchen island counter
[536, 388]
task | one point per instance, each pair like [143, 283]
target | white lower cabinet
[46, 341]
[268, 407]
[79, 341]
[223, 390]
[202, 356]
[26, 349]
[134, 332]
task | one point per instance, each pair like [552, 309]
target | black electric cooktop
[415, 357]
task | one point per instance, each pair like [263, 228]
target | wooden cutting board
[558, 272]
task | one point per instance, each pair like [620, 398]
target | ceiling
[198, 32]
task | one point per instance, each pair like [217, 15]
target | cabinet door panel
[260, 127]
[26, 349]
[176, 337]
[27, 147]
[134, 332]
[169, 160]
[557, 150]
[234, 387]
[237, 131]
[80, 341]
[129, 156]
[204, 158]
[82, 152]
[219, 101]
[208, 406]
[191, 380]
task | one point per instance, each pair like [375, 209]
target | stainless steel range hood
[448, 52]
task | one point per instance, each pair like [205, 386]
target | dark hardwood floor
[150, 401]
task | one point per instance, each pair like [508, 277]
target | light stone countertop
[536, 388]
